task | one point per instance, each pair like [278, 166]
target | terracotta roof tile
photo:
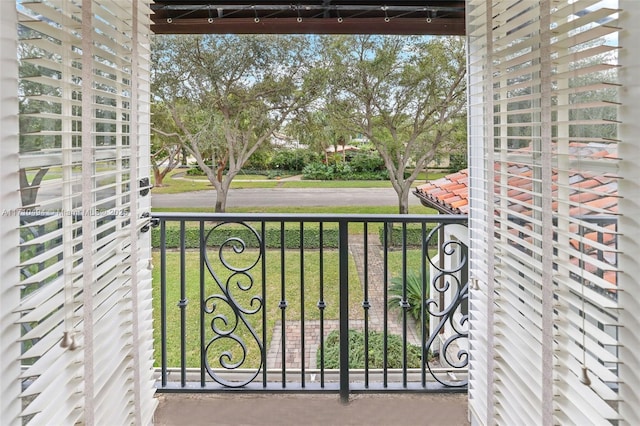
[590, 194]
[522, 183]
[611, 277]
[522, 196]
[604, 203]
[586, 184]
[464, 192]
[584, 197]
[458, 203]
[456, 176]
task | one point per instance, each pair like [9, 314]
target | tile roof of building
[449, 194]
[590, 194]
[595, 194]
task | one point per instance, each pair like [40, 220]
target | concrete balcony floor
[387, 409]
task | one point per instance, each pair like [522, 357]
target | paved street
[272, 197]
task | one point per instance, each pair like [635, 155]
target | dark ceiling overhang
[435, 17]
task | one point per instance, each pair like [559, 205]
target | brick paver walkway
[293, 353]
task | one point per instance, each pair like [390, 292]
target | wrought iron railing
[310, 302]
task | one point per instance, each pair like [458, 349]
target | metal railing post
[163, 302]
[344, 311]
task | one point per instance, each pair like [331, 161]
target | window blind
[545, 79]
[84, 96]
[480, 264]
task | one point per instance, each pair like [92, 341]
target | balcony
[311, 410]
[322, 303]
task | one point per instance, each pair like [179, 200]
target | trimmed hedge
[414, 236]
[272, 237]
[340, 171]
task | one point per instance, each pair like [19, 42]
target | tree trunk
[403, 199]
[220, 169]
[221, 200]
[403, 204]
[29, 192]
[158, 177]
[184, 156]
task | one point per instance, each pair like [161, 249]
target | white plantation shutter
[629, 226]
[9, 201]
[480, 172]
[545, 165]
[84, 119]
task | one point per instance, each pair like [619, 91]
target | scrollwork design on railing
[448, 279]
[230, 315]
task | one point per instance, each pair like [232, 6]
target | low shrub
[259, 160]
[318, 171]
[414, 235]
[252, 171]
[357, 352]
[457, 162]
[293, 159]
[340, 171]
[273, 174]
[366, 162]
[195, 171]
[311, 238]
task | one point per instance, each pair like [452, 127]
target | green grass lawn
[335, 184]
[173, 185]
[246, 289]
[178, 181]
[247, 294]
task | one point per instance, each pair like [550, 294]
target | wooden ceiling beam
[399, 26]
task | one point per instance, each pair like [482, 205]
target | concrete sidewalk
[311, 409]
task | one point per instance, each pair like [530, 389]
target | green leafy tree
[402, 93]
[167, 143]
[228, 94]
[318, 129]
[455, 147]
[39, 108]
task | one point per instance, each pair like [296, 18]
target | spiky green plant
[413, 294]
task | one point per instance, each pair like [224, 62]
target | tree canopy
[405, 94]
[227, 95]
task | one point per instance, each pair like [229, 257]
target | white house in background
[281, 140]
[340, 149]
